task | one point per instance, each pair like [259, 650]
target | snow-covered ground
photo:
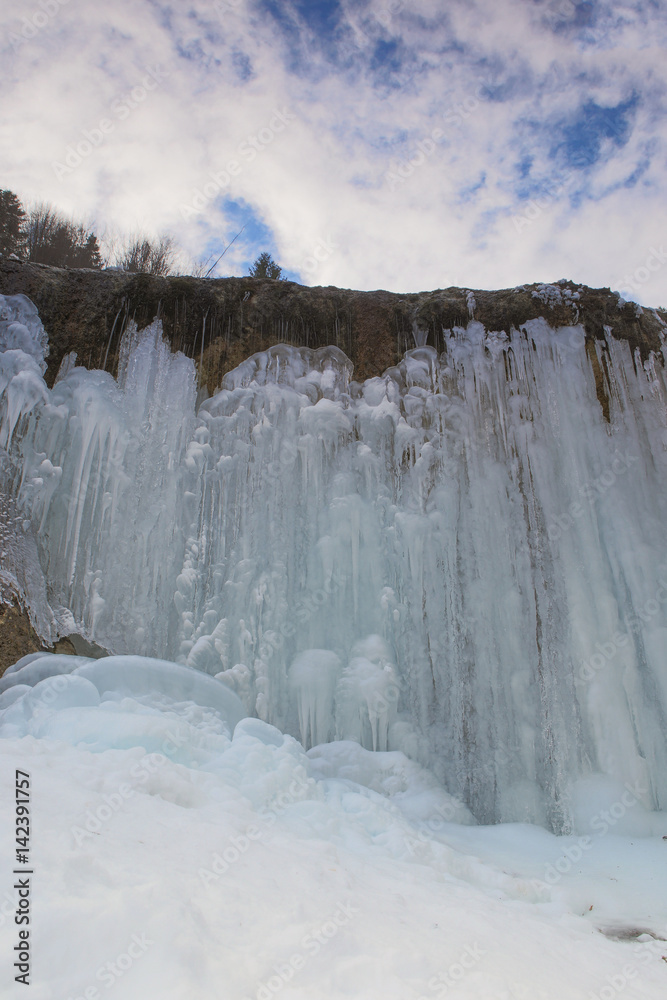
[174, 862]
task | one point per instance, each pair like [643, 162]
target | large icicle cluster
[462, 559]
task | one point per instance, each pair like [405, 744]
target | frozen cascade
[461, 559]
[313, 677]
[367, 694]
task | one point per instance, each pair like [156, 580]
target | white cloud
[324, 178]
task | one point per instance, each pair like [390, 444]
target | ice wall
[462, 559]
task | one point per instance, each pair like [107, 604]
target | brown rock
[18, 637]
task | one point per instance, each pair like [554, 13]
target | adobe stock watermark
[443, 982]
[109, 973]
[401, 169]
[32, 24]
[365, 37]
[601, 823]
[380, 704]
[591, 492]
[320, 253]
[446, 813]
[120, 109]
[239, 844]
[606, 651]
[559, 11]
[614, 131]
[386, 15]
[246, 152]
[630, 284]
[404, 168]
[469, 435]
[273, 640]
[141, 772]
[648, 948]
[225, 7]
[536, 207]
[311, 945]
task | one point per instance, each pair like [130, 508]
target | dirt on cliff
[219, 322]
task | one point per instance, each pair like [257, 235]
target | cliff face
[220, 322]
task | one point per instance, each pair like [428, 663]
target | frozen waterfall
[462, 559]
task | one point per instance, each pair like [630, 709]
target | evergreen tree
[12, 222]
[265, 267]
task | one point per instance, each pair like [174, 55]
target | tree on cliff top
[12, 222]
[52, 238]
[140, 255]
[265, 267]
[43, 235]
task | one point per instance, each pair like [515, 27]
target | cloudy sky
[399, 144]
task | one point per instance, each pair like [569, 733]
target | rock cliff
[220, 322]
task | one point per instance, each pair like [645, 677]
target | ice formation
[21, 330]
[367, 694]
[313, 676]
[138, 701]
[475, 510]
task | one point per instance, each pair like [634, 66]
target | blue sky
[364, 143]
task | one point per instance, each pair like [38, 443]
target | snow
[553, 295]
[173, 859]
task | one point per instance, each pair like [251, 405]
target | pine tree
[265, 267]
[12, 222]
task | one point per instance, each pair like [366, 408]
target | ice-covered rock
[54, 693]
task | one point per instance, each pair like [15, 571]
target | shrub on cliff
[141, 255]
